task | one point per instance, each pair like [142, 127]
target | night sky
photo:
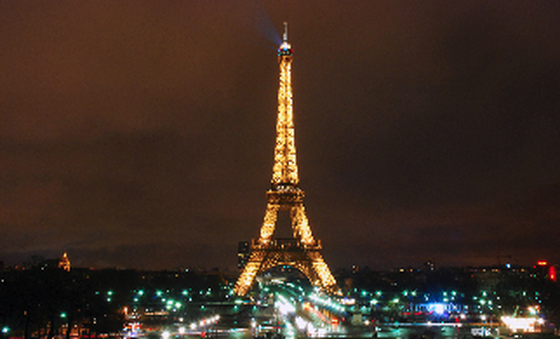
[140, 134]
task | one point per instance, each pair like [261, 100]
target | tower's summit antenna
[285, 49]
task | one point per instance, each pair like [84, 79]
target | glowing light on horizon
[520, 324]
[284, 306]
[439, 308]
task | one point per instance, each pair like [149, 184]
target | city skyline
[141, 135]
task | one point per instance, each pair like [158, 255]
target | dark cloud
[141, 134]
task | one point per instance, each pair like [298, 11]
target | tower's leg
[255, 262]
[300, 225]
[269, 222]
[315, 268]
[328, 282]
[250, 271]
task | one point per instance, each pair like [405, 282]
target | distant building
[64, 262]
[429, 266]
[243, 253]
[545, 270]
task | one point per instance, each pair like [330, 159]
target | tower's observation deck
[302, 251]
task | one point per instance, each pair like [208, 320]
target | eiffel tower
[302, 251]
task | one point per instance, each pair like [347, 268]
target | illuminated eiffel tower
[302, 251]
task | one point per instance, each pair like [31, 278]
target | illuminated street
[277, 308]
[280, 309]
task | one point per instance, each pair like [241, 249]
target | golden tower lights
[302, 251]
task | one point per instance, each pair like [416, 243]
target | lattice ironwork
[302, 251]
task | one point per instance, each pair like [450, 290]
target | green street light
[5, 329]
[63, 315]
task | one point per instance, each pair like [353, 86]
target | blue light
[437, 308]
